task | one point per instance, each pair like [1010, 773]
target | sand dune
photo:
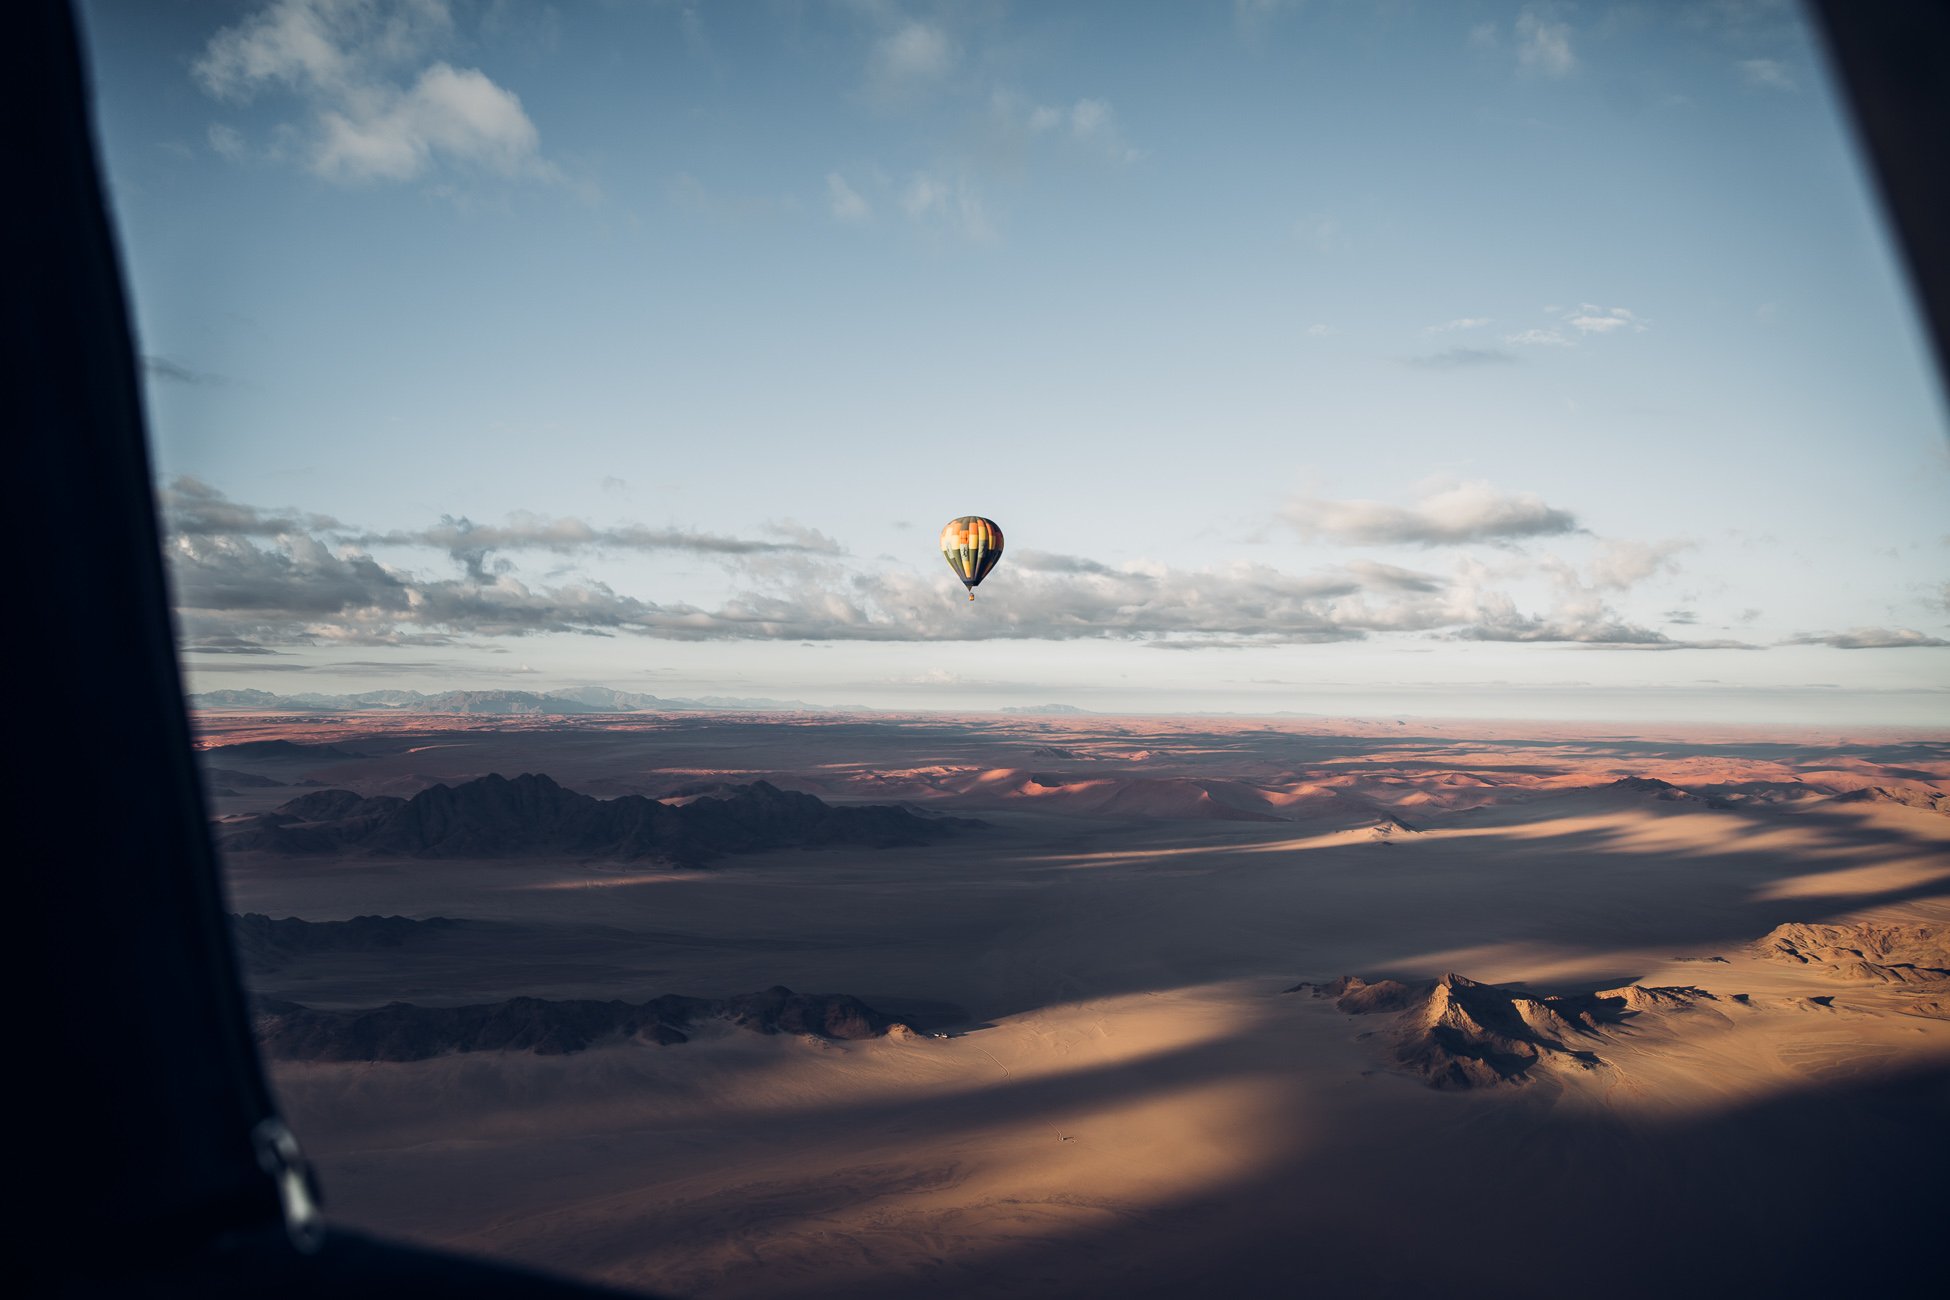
[1126, 1101]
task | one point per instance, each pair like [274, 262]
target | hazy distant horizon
[1922, 708]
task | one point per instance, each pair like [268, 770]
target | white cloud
[1543, 45]
[844, 201]
[315, 44]
[1392, 577]
[1590, 318]
[1578, 613]
[1089, 124]
[1094, 124]
[453, 113]
[1470, 606]
[193, 508]
[226, 142]
[909, 58]
[954, 206]
[1587, 320]
[1467, 512]
[378, 108]
[1539, 338]
[1620, 565]
[1089, 117]
[1460, 323]
[1869, 638]
[1767, 74]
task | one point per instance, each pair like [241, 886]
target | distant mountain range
[530, 815]
[581, 699]
[402, 1031]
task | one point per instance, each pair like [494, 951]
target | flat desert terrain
[1632, 1011]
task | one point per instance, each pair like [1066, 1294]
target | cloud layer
[1469, 512]
[250, 579]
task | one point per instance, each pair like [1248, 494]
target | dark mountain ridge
[402, 1031]
[1908, 796]
[530, 815]
[1665, 790]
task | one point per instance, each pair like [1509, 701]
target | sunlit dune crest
[1875, 880]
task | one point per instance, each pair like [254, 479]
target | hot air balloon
[972, 545]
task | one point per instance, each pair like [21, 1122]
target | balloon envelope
[971, 545]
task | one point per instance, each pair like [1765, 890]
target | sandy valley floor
[1110, 1089]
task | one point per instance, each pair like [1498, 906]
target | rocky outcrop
[1359, 997]
[1388, 829]
[1865, 952]
[1456, 1033]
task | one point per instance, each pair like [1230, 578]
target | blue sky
[1395, 357]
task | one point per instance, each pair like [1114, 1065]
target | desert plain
[1633, 1009]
